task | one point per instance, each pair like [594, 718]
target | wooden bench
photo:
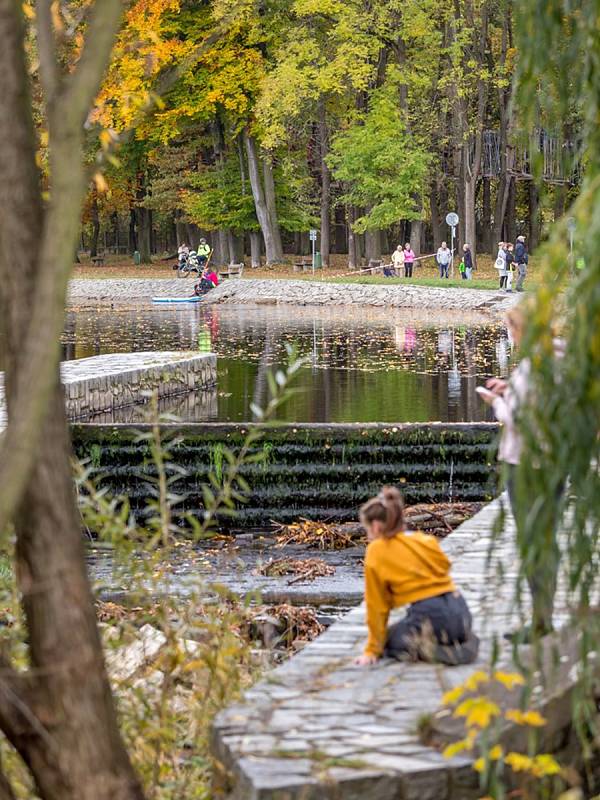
[99, 260]
[303, 265]
[375, 266]
[232, 271]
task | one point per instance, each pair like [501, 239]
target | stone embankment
[104, 383]
[321, 293]
[298, 293]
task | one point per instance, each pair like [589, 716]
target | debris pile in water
[303, 568]
[438, 519]
[317, 535]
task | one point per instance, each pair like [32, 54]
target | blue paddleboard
[176, 299]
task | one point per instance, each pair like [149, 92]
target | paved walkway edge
[320, 728]
[104, 383]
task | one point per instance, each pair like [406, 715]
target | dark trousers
[408, 265]
[540, 561]
[435, 629]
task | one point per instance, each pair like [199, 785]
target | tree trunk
[353, 249]
[269, 228]
[486, 217]
[325, 187]
[470, 223]
[255, 248]
[510, 222]
[438, 226]
[270, 201]
[132, 239]
[416, 228]
[372, 245]
[535, 222]
[60, 715]
[95, 216]
[143, 234]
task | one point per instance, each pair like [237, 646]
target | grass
[417, 281]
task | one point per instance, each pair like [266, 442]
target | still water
[362, 365]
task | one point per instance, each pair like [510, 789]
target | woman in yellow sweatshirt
[411, 569]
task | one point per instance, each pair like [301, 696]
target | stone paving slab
[104, 383]
[318, 727]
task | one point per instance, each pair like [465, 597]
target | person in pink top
[409, 260]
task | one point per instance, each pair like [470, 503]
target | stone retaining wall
[307, 470]
[102, 384]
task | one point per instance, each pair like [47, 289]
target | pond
[363, 365]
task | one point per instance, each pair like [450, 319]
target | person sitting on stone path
[410, 569]
[207, 282]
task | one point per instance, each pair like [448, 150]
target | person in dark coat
[468, 261]
[521, 260]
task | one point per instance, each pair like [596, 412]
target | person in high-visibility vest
[203, 252]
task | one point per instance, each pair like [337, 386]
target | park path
[319, 728]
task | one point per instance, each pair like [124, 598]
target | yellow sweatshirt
[401, 570]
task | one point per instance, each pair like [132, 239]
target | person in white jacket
[506, 398]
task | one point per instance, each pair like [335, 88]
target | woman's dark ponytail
[387, 508]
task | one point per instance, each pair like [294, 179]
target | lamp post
[452, 221]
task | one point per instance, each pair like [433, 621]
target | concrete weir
[104, 383]
[320, 728]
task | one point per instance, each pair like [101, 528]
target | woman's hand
[497, 385]
[365, 660]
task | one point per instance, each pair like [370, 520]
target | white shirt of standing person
[398, 257]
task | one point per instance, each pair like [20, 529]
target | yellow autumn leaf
[509, 679]
[453, 695]
[476, 679]
[479, 765]
[28, 10]
[457, 747]
[533, 718]
[478, 711]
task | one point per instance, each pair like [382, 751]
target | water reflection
[362, 365]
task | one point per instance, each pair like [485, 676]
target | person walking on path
[398, 260]
[539, 564]
[443, 257]
[522, 260]
[510, 266]
[468, 261]
[410, 568]
[409, 260]
[500, 264]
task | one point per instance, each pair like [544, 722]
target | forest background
[366, 120]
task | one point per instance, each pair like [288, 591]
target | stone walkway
[322, 293]
[104, 383]
[295, 292]
[320, 728]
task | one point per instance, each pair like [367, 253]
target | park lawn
[418, 281]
